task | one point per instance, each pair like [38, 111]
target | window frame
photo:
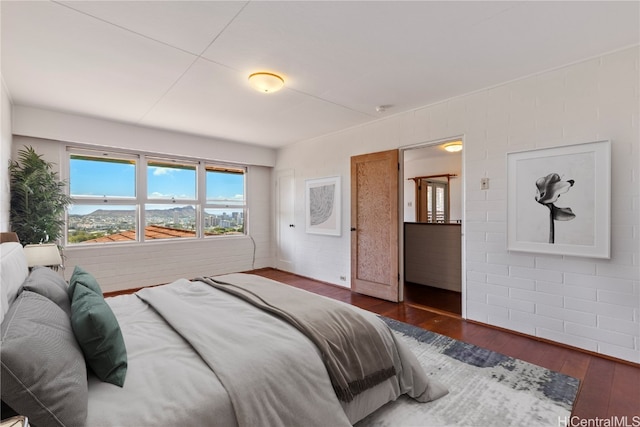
[433, 185]
[221, 205]
[103, 200]
[142, 199]
[148, 201]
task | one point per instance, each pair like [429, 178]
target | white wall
[125, 266]
[39, 123]
[587, 303]
[5, 155]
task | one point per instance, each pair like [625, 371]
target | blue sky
[89, 178]
[100, 178]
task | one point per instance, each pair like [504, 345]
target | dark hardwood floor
[433, 298]
[608, 388]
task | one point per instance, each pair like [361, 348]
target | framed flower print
[559, 200]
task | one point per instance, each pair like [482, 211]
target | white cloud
[162, 171]
[158, 195]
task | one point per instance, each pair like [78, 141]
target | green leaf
[38, 198]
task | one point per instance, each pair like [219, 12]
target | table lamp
[46, 254]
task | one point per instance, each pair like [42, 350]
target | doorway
[432, 227]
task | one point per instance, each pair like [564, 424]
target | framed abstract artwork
[322, 206]
[559, 200]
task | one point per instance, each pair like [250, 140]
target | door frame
[401, 203]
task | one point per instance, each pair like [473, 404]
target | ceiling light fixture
[453, 147]
[266, 82]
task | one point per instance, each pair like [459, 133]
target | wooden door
[374, 225]
[285, 226]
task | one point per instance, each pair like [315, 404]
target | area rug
[485, 388]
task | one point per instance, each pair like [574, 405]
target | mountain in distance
[188, 211]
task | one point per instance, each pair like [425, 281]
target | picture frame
[559, 200]
[322, 206]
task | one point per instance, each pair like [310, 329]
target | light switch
[484, 183]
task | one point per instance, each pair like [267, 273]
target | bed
[224, 351]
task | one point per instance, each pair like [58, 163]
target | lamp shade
[46, 254]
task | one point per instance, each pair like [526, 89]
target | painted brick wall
[5, 154]
[589, 303]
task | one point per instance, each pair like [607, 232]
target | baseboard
[556, 343]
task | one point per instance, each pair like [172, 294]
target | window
[225, 202]
[170, 211]
[103, 188]
[437, 209]
[432, 200]
[171, 181]
[113, 194]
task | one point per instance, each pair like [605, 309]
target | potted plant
[38, 198]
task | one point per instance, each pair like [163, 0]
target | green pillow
[98, 333]
[81, 277]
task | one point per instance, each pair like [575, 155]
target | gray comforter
[351, 347]
[203, 357]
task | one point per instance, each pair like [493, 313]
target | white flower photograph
[558, 200]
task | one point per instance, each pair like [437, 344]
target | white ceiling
[183, 65]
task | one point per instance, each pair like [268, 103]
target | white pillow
[13, 272]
